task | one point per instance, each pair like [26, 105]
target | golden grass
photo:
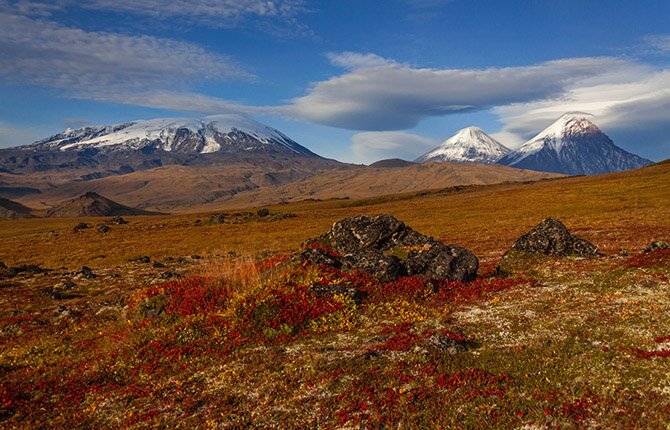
[615, 210]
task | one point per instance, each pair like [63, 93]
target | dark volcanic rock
[23, 269]
[87, 272]
[245, 217]
[654, 246]
[103, 229]
[386, 248]
[551, 237]
[117, 220]
[81, 227]
[319, 256]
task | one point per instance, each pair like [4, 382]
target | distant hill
[94, 205]
[391, 163]
[11, 210]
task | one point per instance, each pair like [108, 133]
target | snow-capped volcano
[470, 144]
[573, 145]
[218, 133]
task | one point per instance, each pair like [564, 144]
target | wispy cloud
[275, 16]
[84, 63]
[658, 44]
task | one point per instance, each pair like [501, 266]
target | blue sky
[356, 80]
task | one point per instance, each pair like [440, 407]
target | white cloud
[378, 94]
[355, 60]
[87, 63]
[632, 108]
[376, 145]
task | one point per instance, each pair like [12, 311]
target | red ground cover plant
[475, 383]
[185, 297]
[379, 397]
[402, 338]
[659, 257]
[457, 292]
[662, 353]
[408, 286]
[282, 313]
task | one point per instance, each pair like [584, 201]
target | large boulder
[548, 238]
[551, 237]
[386, 248]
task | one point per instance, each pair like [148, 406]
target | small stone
[170, 275]
[87, 272]
[263, 212]
[117, 221]
[103, 229]
[143, 259]
[158, 265]
[81, 227]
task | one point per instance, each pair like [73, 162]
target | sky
[354, 80]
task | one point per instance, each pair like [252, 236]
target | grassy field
[225, 332]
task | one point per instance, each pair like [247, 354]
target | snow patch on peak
[470, 144]
[559, 134]
[569, 124]
[205, 135]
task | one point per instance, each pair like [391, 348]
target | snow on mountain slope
[573, 145]
[470, 144]
[210, 134]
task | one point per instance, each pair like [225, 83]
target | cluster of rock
[245, 217]
[102, 228]
[388, 249]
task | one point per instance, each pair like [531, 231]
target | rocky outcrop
[388, 249]
[263, 215]
[550, 238]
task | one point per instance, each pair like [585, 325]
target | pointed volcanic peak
[470, 144]
[93, 204]
[212, 134]
[573, 145]
[10, 209]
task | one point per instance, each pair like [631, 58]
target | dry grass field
[219, 329]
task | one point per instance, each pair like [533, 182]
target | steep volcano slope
[573, 145]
